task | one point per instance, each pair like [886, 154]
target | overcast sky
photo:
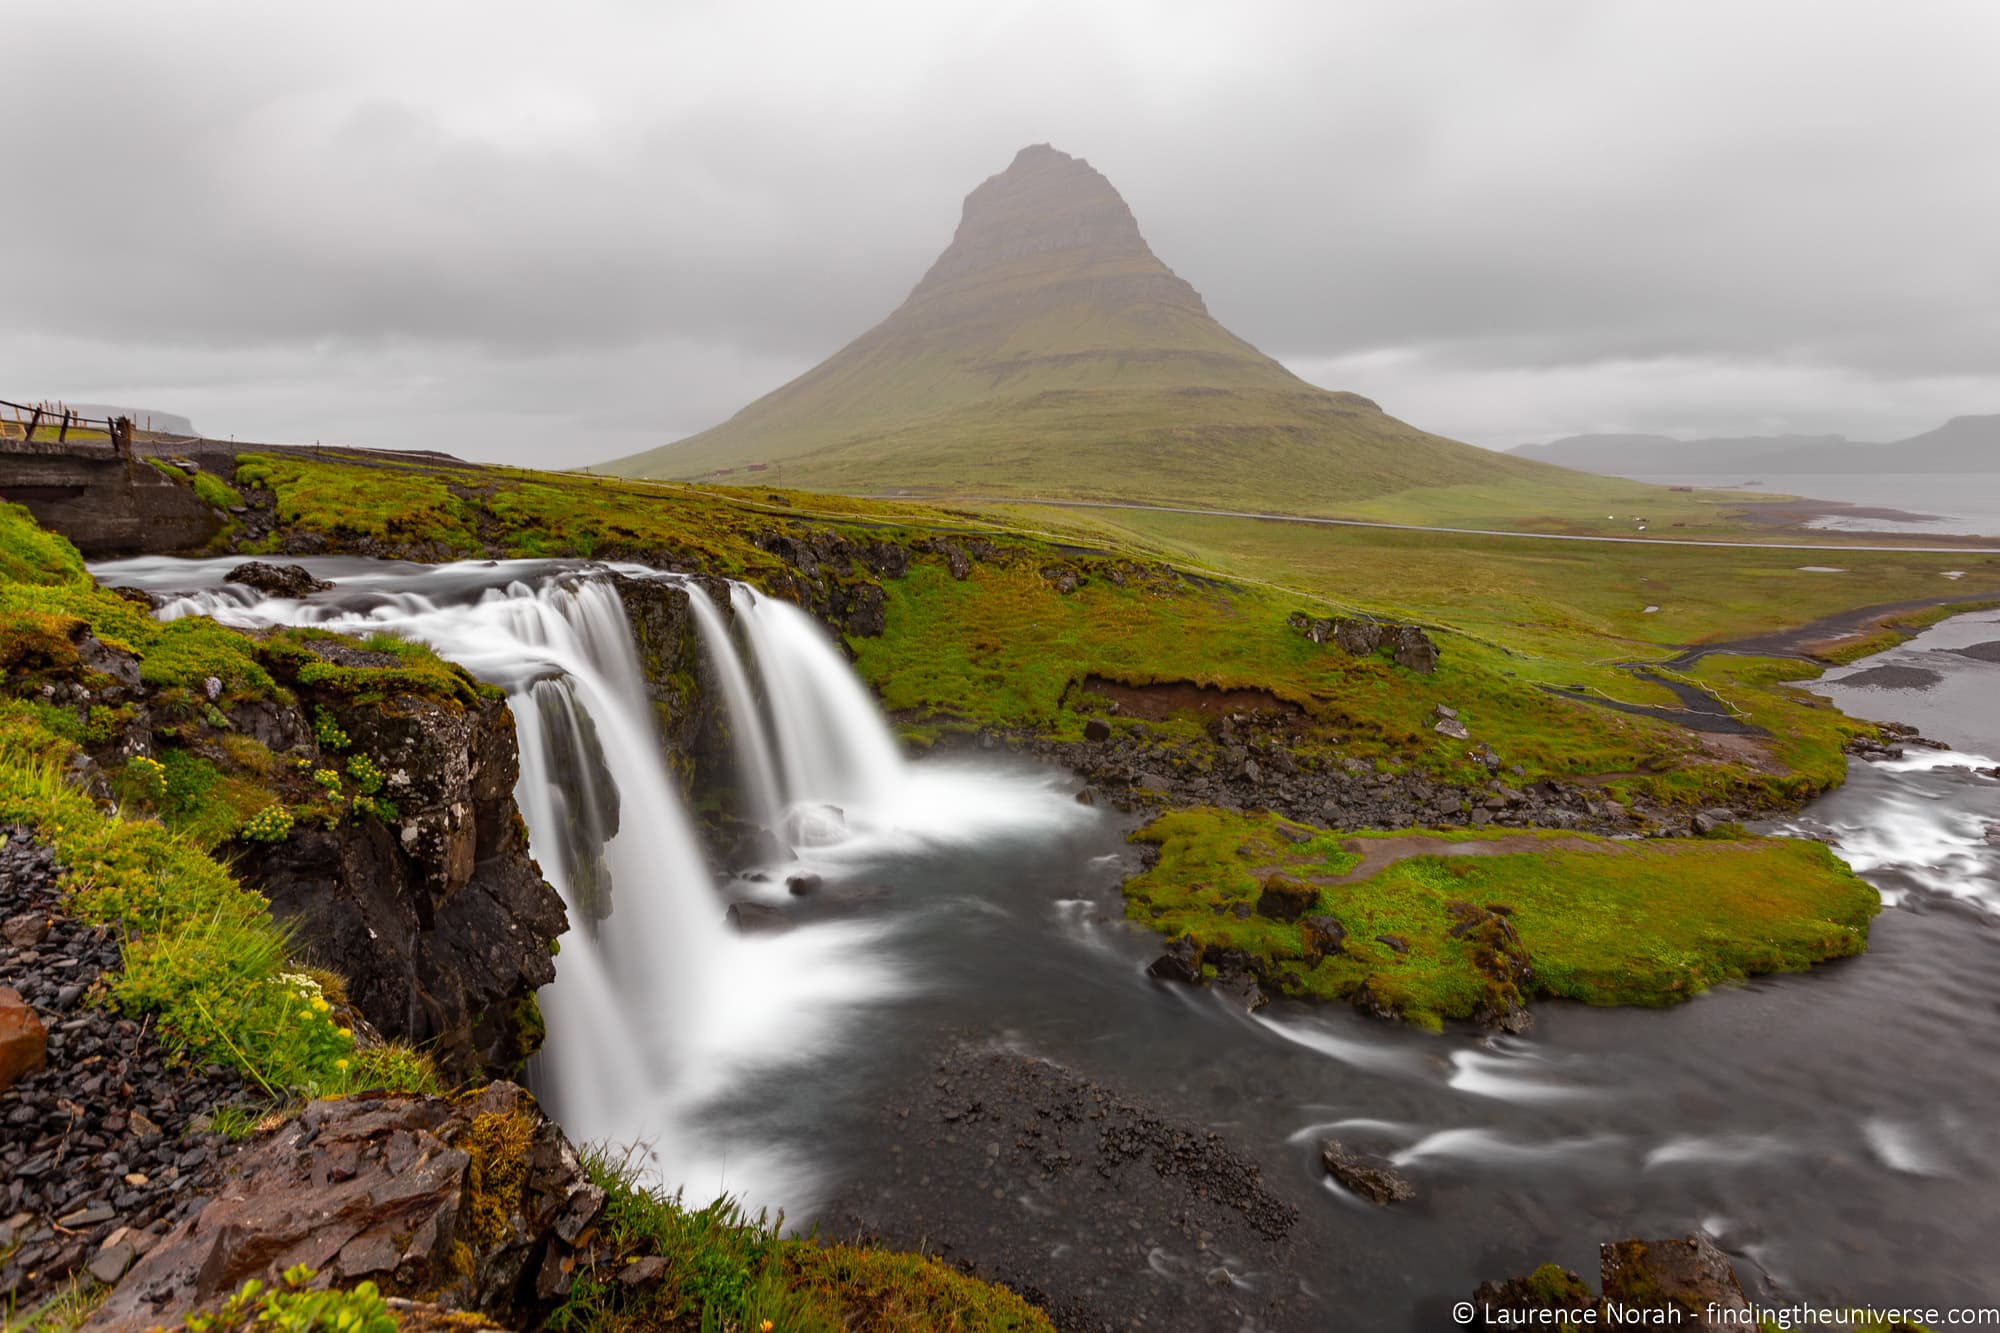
[559, 232]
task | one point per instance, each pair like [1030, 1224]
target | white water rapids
[660, 1009]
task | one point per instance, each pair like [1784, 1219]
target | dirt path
[1378, 854]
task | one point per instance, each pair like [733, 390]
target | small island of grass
[1431, 926]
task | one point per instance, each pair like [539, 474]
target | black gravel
[104, 1147]
[1106, 1213]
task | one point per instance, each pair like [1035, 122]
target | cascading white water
[754, 756]
[833, 746]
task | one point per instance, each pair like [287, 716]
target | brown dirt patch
[1183, 698]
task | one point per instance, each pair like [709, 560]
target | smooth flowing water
[1834, 1128]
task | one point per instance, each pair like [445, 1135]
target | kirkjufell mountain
[1049, 351]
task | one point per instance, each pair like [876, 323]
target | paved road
[1464, 532]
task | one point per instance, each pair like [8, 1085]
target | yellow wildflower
[347, 1032]
[319, 1003]
[340, 1064]
[765, 1327]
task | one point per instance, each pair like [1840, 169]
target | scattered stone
[641, 1272]
[1415, 651]
[1062, 578]
[1181, 962]
[751, 918]
[1286, 899]
[109, 1264]
[1443, 712]
[1242, 990]
[1711, 821]
[26, 930]
[1097, 729]
[1453, 728]
[1370, 1176]
[277, 580]
[1394, 942]
[1322, 936]
[1086, 797]
[801, 885]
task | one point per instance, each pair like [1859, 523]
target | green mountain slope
[1049, 352]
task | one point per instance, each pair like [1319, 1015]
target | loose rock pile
[103, 1146]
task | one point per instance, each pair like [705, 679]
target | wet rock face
[670, 659]
[473, 1203]
[440, 922]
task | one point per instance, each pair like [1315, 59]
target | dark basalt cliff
[440, 921]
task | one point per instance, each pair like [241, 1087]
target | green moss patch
[728, 1269]
[1434, 936]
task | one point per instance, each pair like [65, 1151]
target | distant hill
[1049, 351]
[145, 418]
[1963, 444]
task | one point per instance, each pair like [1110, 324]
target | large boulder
[1414, 650]
[276, 580]
[23, 1039]
[1181, 962]
[473, 1203]
[1685, 1274]
[1285, 899]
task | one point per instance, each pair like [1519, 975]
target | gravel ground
[104, 1147]
[1106, 1213]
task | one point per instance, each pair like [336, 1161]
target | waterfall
[754, 755]
[659, 1008]
[834, 748]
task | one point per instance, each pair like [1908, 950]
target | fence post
[28, 435]
[121, 437]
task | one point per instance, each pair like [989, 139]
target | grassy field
[1433, 936]
[1574, 600]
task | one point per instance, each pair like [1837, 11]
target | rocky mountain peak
[1047, 208]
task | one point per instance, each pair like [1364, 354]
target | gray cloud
[558, 233]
